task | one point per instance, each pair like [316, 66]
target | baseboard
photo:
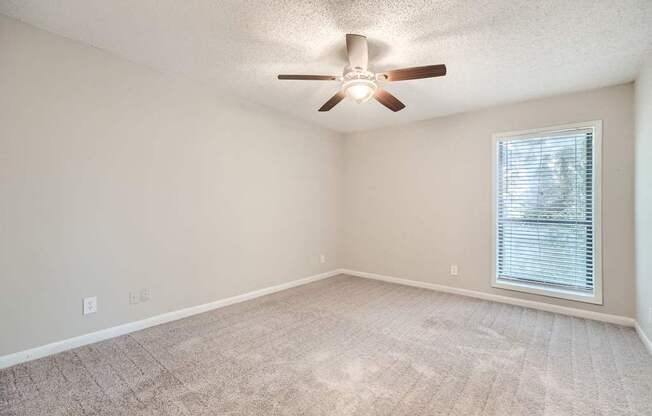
[644, 338]
[580, 313]
[93, 337]
[67, 344]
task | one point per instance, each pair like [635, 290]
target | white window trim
[596, 296]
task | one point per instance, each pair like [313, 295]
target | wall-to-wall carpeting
[347, 346]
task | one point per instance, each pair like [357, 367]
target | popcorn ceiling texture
[347, 346]
[496, 51]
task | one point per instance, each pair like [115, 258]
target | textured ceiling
[496, 51]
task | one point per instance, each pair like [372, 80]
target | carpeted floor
[347, 346]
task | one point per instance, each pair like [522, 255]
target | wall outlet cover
[134, 298]
[454, 270]
[322, 258]
[90, 305]
[144, 295]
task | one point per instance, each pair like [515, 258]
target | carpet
[347, 346]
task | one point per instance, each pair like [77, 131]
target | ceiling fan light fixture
[360, 90]
[360, 84]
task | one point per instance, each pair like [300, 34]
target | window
[547, 211]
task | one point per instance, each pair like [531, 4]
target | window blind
[545, 210]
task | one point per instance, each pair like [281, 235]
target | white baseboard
[580, 313]
[644, 338]
[67, 344]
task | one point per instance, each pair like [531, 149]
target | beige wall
[114, 178]
[418, 197]
[644, 198]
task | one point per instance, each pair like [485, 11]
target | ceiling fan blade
[416, 72]
[388, 100]
[309, 77]
[333, 101]
[356, 48]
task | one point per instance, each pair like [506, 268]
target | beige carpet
[347, 346]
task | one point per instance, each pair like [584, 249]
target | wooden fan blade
[309, 77]
[388, 100]
[416, 72]
[333, 101]
[356, 49]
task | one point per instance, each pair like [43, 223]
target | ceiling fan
[360, 84]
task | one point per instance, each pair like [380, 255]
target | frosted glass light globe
[360, 90]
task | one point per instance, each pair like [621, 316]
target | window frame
[597, 296]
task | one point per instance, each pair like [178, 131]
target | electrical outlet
[144, 295]
[322, 258]
[454, 270]
[90, 305]
[649, 315]
[134, 298]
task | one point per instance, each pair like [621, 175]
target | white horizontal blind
[545, 210]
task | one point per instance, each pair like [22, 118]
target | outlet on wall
[90, 305]
[137, 297]
[322, 258]
[454, 270]
[649, 315]
[134, 298]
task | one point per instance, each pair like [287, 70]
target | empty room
[227, 207]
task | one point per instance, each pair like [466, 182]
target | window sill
[593, 298]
